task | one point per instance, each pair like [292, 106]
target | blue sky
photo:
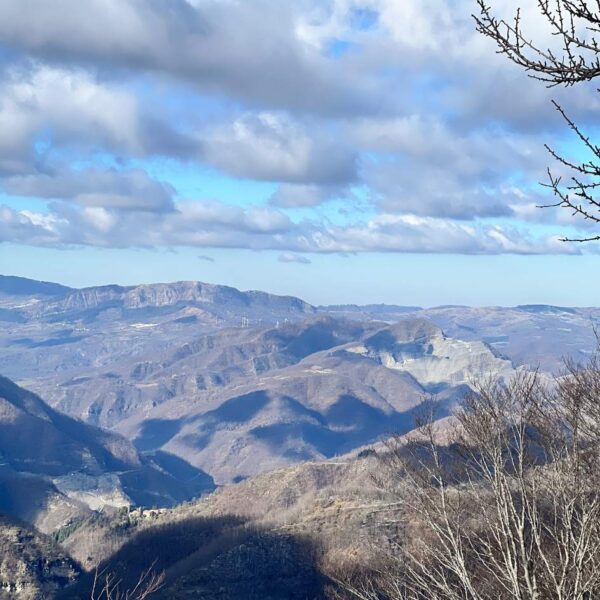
[339, 150]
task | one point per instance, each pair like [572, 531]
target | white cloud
[441, 136]
[273, 147]
[68, 106]
[290, 257]
[250, 50]
[130, 190]
[216, 225]
[304, 196]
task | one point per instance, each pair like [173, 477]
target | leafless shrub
[510, 508]
[573, 23]
[106, 586]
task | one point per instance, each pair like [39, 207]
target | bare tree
[107, 586]
[511, 508]
[576, 25]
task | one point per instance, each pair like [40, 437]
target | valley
[147, 399]
[295, 383]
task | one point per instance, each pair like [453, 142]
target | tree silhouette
[575, 25]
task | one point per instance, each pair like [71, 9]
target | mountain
[535, 336]
[270, 536]
[102, 325]
[54, 467]
[220, 302]
[188, 292]
[98, 328]
[236, 383]
[19, 286]
[202, 366]
[279, 403]
[236, 402]
[381, 312]
[217, 558]
[275, 535]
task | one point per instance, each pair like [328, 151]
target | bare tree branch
[511, 508]
[575, 24]
[107, 587]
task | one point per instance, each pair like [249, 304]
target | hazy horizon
[346, 290]
[342, 151]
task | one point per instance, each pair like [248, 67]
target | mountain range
[234, 383]
[154, 395]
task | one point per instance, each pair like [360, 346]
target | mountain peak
[408, 331]
[21, 286]
[161, 295]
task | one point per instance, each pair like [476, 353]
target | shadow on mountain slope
[239, 409]
[208, 558]
[50, 464]
[347, 424]
[155, 433]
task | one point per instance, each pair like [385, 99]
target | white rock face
[434, 359]
[451, 361]
[94, 491]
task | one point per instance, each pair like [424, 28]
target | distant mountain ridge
[96, 326]
[241, 382]
[20, 286]
[145, 295]
[166, 294]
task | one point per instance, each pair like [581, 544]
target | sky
[339, 150]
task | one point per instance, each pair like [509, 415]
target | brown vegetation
[208, 557]
[509, 509]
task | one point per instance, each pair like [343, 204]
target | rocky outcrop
[32, 567]
[161, 295]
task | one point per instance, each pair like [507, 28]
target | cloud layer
[374, 125]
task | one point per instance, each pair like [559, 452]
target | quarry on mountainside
[236, 402]
[289, 406]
